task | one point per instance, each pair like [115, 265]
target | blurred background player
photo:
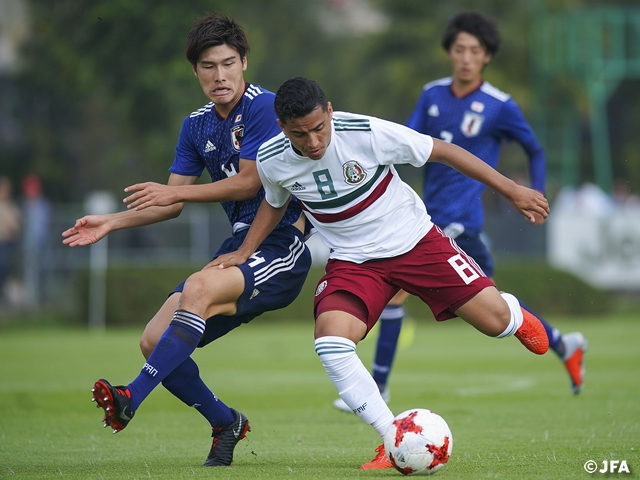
[10, 228]
[466, 110]
[223, 137]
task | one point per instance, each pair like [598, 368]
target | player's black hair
[473, 23]
[298, 97]
[212, 30]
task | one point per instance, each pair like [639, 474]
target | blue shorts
[476, 248]
[273, 278]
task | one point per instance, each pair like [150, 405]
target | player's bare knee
[195, 289]
[147, 344]
[489, 317]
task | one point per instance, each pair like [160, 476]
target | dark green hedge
[134, 295]
[551, 291]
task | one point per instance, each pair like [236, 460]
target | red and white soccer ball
[419, 442]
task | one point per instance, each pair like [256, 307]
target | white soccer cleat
[343, 407]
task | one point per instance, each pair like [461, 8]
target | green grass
[511, 413]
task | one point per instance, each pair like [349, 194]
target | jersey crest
[237, 133]
[471, 124]
[433, 111]
[353, 172]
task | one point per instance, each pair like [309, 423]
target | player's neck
[462, 89]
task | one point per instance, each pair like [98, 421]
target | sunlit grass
[511, 413]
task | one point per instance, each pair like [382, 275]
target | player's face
[468, 58]
[220, 71]
[310, 134]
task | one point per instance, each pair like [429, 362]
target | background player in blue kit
[466, 110]
[223, 137]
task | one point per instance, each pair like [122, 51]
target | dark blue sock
[176, 345]
[555, 338]
[185, 383]
[390, 325]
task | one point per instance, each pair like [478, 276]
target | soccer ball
[418, 442]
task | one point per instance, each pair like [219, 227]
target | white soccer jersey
[353, 194]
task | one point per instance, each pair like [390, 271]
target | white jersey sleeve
[399, 144]
[274, 193]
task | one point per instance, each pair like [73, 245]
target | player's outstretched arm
[92, 228]
[242, 186]
[530, 203]
[263, 224]
[87, 230]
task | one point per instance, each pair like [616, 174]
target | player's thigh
[487, 311]
[399, 298]
[158, 324]
[213, 291]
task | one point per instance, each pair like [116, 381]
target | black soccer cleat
[225, 440]
[116, 403]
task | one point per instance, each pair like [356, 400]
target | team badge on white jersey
[237, 133]
[471, 124]
[353, 172]
[433, 111]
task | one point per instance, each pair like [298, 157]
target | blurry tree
[104, 84]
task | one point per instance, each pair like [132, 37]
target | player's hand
[227, 260]
[150, 194]
[530, 203]
[87, 230]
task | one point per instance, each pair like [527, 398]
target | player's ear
[194, 69]
[281, 125]
[330, 110]
[244, 63]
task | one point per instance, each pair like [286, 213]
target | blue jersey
[209, 141]
[478, 123]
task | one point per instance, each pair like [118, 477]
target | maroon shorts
[436, 270]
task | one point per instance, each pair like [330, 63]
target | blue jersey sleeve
[417, 119]
[187, 161]
[260, 126]
[512, 126]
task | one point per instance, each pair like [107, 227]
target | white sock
[353, 381]
[516, 315]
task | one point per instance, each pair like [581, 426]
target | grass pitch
[511, 413]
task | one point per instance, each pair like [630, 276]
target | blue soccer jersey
[209, 141]
[478, 123]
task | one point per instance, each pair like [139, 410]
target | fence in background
[187, 241]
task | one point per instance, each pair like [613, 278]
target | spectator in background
[622, 196]
[10, 226]
[36, 213]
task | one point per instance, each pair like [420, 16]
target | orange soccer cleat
[379, 461]
[576, 346]
[532, 334]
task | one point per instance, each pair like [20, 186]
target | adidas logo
[254, 293]
[209, 147]
[297, 187]
[433, 111]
